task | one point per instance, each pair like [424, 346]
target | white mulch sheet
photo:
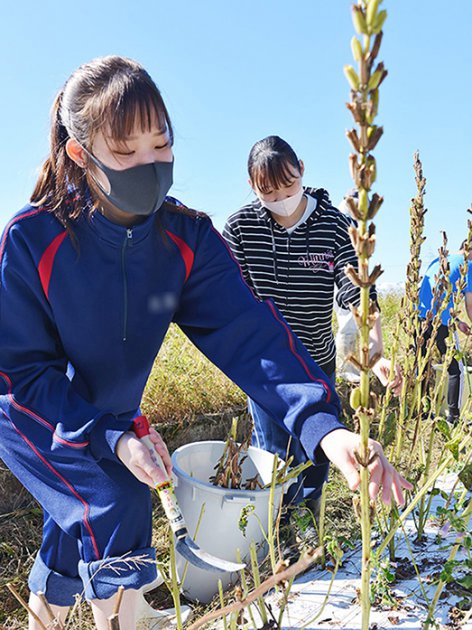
[343, 610]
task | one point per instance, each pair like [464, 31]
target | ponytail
[60, 184]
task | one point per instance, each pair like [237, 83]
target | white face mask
[284, 207]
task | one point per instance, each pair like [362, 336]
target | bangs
[273, 172]
[129, 103]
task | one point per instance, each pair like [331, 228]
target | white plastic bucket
[218, 531]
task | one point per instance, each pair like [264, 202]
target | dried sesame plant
[413, 428]
[407, 330]
[368, 22]
[229, 467]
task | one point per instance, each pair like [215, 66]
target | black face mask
[139, 189]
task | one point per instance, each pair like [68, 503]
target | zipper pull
[129, 236]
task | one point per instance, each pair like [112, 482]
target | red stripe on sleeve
[185, 251]
[28, 412]
[293, 350]
[47, 261]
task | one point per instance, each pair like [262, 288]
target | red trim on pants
[69, 486]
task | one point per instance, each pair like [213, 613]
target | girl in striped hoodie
[292, 246]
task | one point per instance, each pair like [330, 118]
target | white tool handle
[164, 489]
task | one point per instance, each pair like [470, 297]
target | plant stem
[18, 597]
[430, 621]
[427, 485]
[365, 505]
[325, 600]
[257, 582]
[307, 559]
[175, 586]
[363, 106]
[322, 523]
[270, 516]
[245, 588]
[222, 603]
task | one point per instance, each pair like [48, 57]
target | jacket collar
[115, 234]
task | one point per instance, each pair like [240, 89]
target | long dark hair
[109, 94]
[271, 163]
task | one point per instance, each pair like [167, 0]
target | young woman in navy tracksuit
[92, 273]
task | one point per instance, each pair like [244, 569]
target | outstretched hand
[340, 447]
[382, 371]
[136, 457]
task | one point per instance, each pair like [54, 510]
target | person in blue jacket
[429, 302]
[92, 273]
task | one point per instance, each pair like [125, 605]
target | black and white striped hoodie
[298, 271]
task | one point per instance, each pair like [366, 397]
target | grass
[184, 384]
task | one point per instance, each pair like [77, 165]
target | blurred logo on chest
[317, 261]
[162, 303]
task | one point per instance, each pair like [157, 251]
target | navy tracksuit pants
[97, 517]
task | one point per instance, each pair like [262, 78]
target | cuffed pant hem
[58, 589]
[102, 578]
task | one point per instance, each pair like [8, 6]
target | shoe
[452, 418]
[300, 527]
[151, 619]
[147, 588]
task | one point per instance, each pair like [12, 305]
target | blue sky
[234, 71]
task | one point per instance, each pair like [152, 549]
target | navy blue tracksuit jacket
[82, 319]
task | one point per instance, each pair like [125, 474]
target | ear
[252, 186]
[76, 152]
[302, 167]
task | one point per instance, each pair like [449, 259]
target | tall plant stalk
[455, 548]
[436, 399]
[368, 22]
[408, 324]
[410, 317]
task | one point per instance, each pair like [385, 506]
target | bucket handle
[238, 499]
[229, 498]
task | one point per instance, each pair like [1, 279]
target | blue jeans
[270, 436]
